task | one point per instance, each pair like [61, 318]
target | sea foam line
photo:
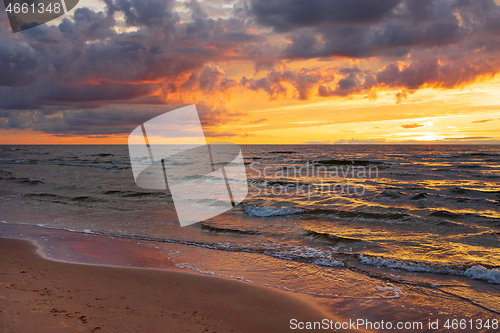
[266, 211]
[476, 272]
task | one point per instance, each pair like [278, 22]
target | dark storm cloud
[286, 15]
[106, 120]
[151, 13]
[103, 120]
[421, 43]
[366, 28]
[86, 65]
[432, 72]
[17, 64]
[392, 29]
[82, 57]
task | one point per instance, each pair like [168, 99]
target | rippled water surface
[318, 219]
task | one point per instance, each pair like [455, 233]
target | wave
[85, 199]
[482, 273]
[132, 194]
[466, 154]
[460, 194]
[29, 181]
[469, 166]
[328, 263]
[406, 174]
[420, 196]
[410, 266]
[345, 162]
[446, 214]
[445, 156]
[266, 211]
[269, 184]
[41, 195]
[228, 230]
[363, 215]
[481, 154]
[390, 195]
[478, 272]
[323, 236]
[11, 161]
[21, 180]
[75, 163]
[459, 190]
[61, 199]
[404, 155]
[191, 267]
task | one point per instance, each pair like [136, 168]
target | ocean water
[335, 222]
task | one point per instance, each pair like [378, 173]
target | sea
[413, 226]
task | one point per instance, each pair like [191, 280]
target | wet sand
[40, 295]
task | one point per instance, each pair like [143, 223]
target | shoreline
[43, 295]
[399, 301]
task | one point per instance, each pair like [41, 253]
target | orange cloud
[414, 125]
[482, 121]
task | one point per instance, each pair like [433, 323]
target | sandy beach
[39, 295]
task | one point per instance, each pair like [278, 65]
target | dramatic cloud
[401, 95]
[414, 125]
[277, 83]
[98, 72]
[87, 63]
[107, 120]
[365, 28]
[286, 15]
[451, 42]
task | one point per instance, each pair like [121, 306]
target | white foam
[482, 273]
[330, 263]
[411, 266]
[265, 211]
[477, 272]
[188, 266]
[390, 287]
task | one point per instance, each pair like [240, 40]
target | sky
[259, 71]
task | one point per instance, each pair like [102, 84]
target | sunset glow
[402, 75]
